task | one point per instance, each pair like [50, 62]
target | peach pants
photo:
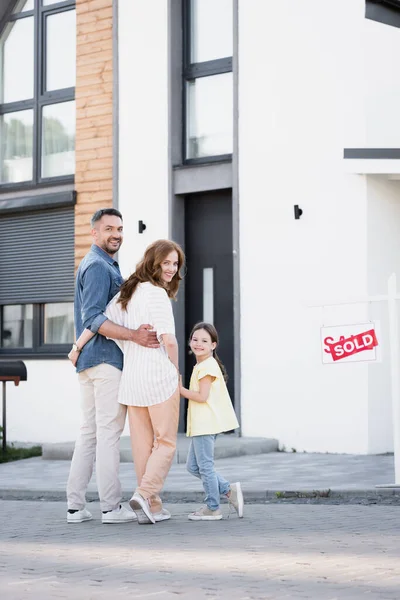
[153, 431]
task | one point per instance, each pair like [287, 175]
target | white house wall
[295, 63]
[314, 78]
[46, 407]
[143, 125]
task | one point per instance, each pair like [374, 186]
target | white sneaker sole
[143, 513]
[115, 521]
[206, 518]
[240, 500]
[82, 520]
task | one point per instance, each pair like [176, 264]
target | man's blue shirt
[97, 281]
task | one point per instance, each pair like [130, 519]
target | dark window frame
[40, 98]
[39, 349]
[383, 11]
[191, 72]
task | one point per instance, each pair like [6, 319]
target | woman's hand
[180, 383]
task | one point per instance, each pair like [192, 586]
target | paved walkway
[225, 446]
[285, 552]
[264, 477]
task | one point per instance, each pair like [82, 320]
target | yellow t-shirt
[217, 414]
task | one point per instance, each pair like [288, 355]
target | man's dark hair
[104, 211]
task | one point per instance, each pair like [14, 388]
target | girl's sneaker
[205, 514]
[235, 498]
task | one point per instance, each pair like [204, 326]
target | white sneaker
[205, 514]
[118, 515]
[79, 517]
[162, 515]
[142, 509]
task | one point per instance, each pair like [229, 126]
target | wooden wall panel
[94, 116]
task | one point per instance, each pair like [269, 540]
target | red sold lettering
[344, 347]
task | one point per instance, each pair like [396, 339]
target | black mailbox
[10, 370]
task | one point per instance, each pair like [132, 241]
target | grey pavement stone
[276, 476]
[275, 552]
[226, 446]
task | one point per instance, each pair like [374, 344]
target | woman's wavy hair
[149, 269]
[212, 332]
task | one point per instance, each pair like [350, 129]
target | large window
[37, 94]
[37, 281]
[32, 329]
[208, 84]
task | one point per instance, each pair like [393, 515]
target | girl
[210, 412]
[150, 377]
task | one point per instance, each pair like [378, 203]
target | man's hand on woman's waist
[145, 336]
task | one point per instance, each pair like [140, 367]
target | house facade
[263, 136]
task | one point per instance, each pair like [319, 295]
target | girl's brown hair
[212, 332]
[149, 269]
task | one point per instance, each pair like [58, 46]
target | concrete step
[226, 446]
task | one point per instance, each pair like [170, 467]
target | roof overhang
[372, 161]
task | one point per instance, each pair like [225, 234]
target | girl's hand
[180, 383]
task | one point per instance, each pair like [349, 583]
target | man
[99, 365]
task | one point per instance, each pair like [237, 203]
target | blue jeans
[200, 463]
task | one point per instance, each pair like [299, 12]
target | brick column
[94, 116]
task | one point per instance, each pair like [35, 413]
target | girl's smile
[201, 345]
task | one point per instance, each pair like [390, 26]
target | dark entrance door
[209, 279]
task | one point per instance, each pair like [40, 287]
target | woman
[150, 377]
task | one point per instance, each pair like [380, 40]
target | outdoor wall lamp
[297, 211]
[142, 226]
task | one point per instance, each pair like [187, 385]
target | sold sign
[345, 344]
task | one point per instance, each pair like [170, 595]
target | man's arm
[95, 290]
[94, 303]
[144, 336]
[95, 293]
[114, 327]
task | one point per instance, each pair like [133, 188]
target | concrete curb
[323, 496]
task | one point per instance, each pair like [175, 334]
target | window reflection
[16, 50]
[61, 50]
[211, 30]
[210, 116]
[58, 139]
[16, 328]
[16, 145]
[59, 323]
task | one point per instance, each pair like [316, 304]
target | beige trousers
[153, 432]
[103, 420]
